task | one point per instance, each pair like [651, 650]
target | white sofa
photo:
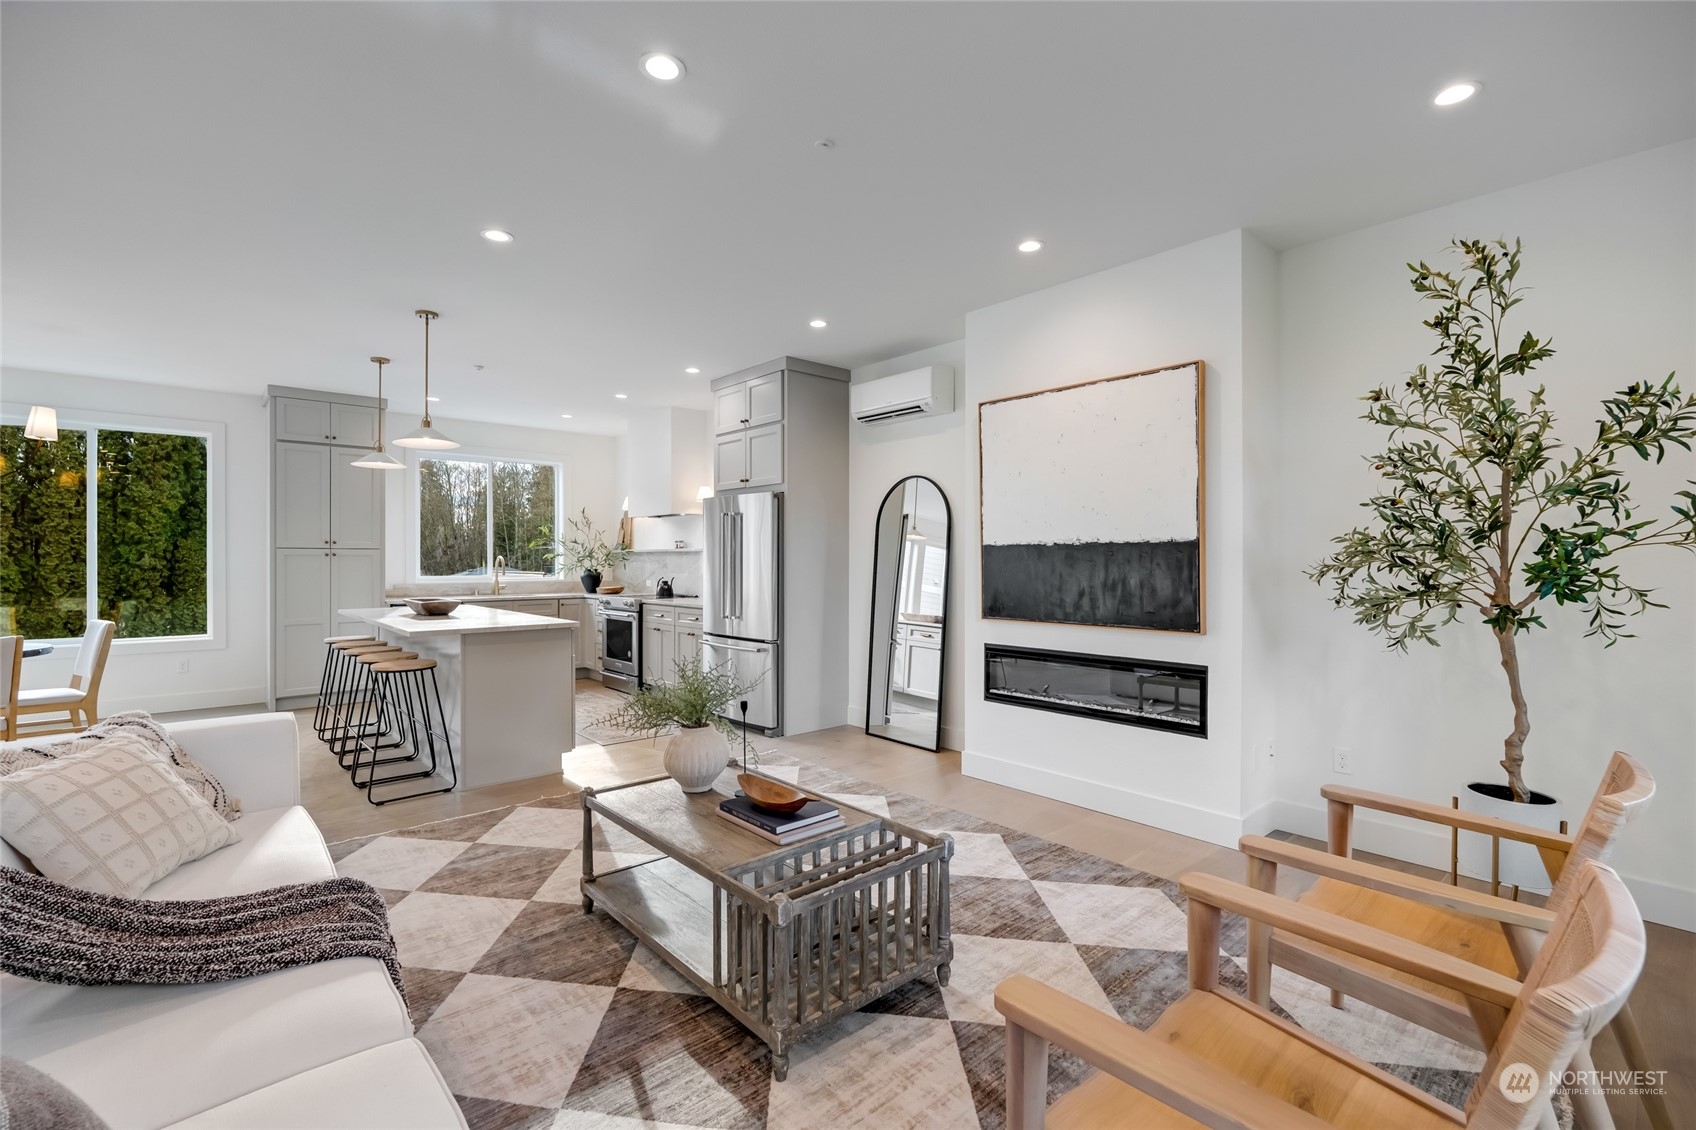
[319, 1046]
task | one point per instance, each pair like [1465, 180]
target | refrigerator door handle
[717, 645]
[736, 541]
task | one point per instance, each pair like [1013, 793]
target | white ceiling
[226, 195]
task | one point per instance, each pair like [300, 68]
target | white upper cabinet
[353, 425]
[356, 504]
[765, 456]
[303, 495]
[748, 404]
[307, 421]
[320, 421]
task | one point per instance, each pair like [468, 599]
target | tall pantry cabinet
[326, 526]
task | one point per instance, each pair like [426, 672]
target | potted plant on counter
[694, 701]
[1483, 515]
[584, 550]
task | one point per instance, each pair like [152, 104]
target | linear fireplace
[1132, 692]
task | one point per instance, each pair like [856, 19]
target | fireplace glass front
[1131, 692]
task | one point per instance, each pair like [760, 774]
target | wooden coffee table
[785, 939]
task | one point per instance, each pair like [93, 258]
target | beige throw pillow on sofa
[114, 819]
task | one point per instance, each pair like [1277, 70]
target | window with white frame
[474, 508]
[104, 523]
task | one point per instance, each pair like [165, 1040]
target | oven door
[618, 645]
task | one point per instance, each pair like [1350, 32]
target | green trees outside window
[147, 545]
[472, 510]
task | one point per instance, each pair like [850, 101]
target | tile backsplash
[643, 571]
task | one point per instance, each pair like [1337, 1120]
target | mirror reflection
[909, 614]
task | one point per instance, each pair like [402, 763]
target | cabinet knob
[326, 553]
[326, 437]
[326, 542]
[332, 541]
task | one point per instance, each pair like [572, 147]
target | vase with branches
[1481, 509]
[582, 548]
[695, 701]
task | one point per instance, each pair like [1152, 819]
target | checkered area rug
[541, 1016]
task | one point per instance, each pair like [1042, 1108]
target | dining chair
[1216, 1059]
[1495, 933]
[11, 668]
[80, 700]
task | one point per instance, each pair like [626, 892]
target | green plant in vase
[694, 701]
[583, 550]
[1482, 510]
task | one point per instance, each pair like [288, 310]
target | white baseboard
[1423, 843]
[1158, 812]
[187, 700]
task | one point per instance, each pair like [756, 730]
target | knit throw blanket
[51, 932]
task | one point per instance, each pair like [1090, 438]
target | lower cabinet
[668, 635]
[311, 584]
[916, 662]
[583, 639]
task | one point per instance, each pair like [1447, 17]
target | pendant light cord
[428, 316]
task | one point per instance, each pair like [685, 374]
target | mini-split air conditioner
[921, 392]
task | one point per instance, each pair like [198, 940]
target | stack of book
[811, 819]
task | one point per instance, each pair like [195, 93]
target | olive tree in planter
[1482, 512]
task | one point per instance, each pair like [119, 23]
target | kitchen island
[507, 682]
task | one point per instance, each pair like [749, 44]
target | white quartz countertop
[467, 619]
[674, 601]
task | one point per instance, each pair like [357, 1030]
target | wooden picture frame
[1054, 462]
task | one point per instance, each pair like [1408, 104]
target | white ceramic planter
[696, 757]
[1521, 865]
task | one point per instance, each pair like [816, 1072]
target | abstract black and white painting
[1092, 499]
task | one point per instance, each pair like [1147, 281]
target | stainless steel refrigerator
[742, 598]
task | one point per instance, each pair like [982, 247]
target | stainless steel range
[621, 642]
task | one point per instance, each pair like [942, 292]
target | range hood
[665, 461]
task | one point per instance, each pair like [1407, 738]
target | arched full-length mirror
[909, 614]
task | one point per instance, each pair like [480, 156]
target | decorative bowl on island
[773, 796]
[432, 605]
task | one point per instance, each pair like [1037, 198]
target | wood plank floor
[1665, 998]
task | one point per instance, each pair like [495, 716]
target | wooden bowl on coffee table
[773, 796]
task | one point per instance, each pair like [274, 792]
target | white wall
[1179, 306]
[591, 479]
[231, 669]
[879, 457]
[1608, 258]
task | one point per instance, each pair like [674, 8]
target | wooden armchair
[11, 669]
[1493, 933]
[1215, 1059]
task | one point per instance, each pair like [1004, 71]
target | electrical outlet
[182, 666]
[1342, 759]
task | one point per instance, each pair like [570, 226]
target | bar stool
[400, 687]
[356, 690]
[332, 658]
[340, 681]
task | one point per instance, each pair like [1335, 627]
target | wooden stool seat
[1465, 936]
[375, 657]
[1269, 1054]
[333, 640]
[363, 645]
[393, 666]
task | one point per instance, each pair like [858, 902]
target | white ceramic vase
[695, 757]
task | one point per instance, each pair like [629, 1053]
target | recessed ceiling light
[818, 323]
[1456, 94]
[496, 235]
[565, 415]
[1030, 245]
[691, 369]
[662, 67]
[620, 396]
[433, 399]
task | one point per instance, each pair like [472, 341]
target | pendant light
[426, 436]
[43, 424]
[378, 459]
